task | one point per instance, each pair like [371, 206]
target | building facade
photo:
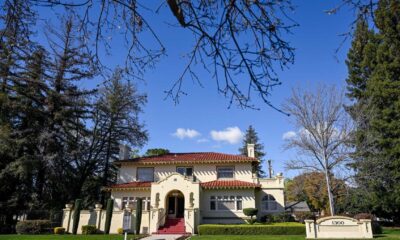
[179, 191]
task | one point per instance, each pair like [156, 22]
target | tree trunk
[330, 195]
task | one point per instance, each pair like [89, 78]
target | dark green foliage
[251, 137]
[49, 153]
[109, 211]
[374, 80]
[76, 215]
[251, 212]
[156, 151]
[89, 229]
[301, 216]
[33, 227]
[376, 228]
[281, 217]
[210, 229]
[138, 221]
[116, 115]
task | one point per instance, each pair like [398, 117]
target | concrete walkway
[163, 237]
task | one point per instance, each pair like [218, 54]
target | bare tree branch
[324, 133]
[240, 43]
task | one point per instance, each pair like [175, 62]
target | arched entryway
[175, 204]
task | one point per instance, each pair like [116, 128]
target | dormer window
[145, 174]
[225, 172]
[185, 171]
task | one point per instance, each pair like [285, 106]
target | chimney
[250, 150]
[124, 151]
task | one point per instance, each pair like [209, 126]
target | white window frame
[132, 200]
[221, 167]
[220, 199]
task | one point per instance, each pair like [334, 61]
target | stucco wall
[277, 194]
[118, 195]
[97, 218]
[211, 216]
[203, 172]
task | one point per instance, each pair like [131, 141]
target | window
[146, 204]
[239, 203]
[269, 203]
[225, 172]
[212, 203]
[126, 201]
[185, 171]
[145, 174]
[225, 203]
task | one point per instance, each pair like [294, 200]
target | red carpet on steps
[173, 226]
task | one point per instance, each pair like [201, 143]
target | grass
[68, 237]
[388, 234]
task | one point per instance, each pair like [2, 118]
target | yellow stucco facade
[203, 197]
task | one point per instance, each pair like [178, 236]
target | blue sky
[212, 125]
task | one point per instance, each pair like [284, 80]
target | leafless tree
[240, 43]
[324, 129]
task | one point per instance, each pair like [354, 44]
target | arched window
[269, 203]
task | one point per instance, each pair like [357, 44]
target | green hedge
[33, 227]
[258, 229]
[88, 229]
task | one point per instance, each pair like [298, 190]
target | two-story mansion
[182, 190]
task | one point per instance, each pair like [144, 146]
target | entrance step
[173, 226]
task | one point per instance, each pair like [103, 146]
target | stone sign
[338, 227]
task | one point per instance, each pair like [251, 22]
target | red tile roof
[197, 157]
[228, 184]
[130, 185]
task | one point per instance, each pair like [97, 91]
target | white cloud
[203, 140]
[230, 135]
[288, 135]
[182, 133]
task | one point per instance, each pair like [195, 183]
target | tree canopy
[251, 137]
[373, 86]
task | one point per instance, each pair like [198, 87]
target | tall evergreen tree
[374, 80]
[117, 120]
[251, 137]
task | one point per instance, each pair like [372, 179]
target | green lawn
[68, 237]
[388, 234]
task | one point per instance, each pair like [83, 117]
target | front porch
[175, 202]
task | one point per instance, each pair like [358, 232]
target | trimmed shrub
[88, 229]
[264, 219]
[33, 227]
[120, 231]
[256, 229]
[281, 217]
[250, 212]
[376, 227]
[59, 230]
